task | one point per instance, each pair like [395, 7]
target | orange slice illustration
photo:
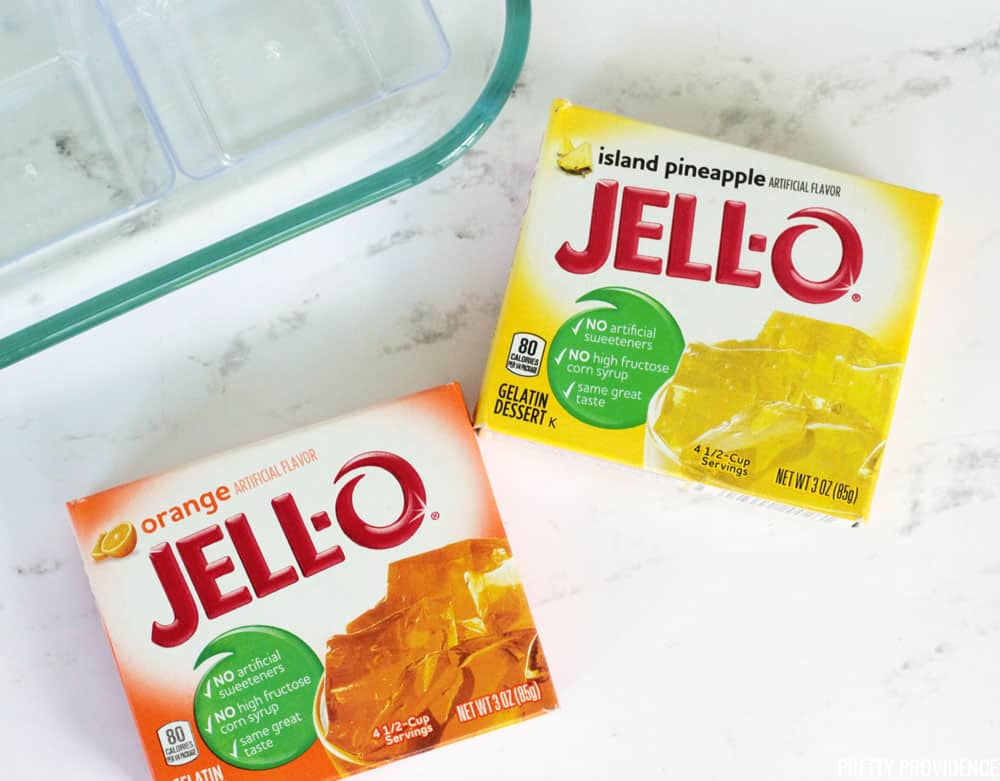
[120, 541]
[98, 553]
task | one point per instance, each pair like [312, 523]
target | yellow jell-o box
[318, 604]
[710, 312]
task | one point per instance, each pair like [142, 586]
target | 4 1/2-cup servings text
[710, 312]
[317, 604]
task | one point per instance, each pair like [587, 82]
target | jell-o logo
[188, 554]
[728, 269]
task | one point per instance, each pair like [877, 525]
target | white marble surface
[692, 637]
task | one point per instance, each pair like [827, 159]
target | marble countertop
[691, 637]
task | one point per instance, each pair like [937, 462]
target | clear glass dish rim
[236, 248]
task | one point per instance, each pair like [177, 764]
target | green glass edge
[270, 233]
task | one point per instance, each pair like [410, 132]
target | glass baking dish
[125, 122]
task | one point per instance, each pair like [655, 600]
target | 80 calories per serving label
[254, 706]
[606, 363]
[177, 741]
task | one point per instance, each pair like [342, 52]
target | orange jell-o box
[317, 604]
